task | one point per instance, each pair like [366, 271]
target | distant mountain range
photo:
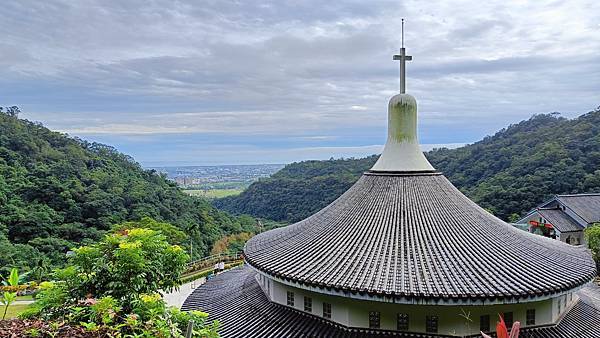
[508, 173]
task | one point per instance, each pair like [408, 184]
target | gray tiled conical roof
[415, 237]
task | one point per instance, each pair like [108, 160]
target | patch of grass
[27, 297]
[13, 310]
[214, 193]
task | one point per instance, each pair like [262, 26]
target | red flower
[502, 331]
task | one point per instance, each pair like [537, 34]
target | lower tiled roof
[237, 301]
[560, 220]
[587, 206]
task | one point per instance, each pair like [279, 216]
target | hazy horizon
[424, 147]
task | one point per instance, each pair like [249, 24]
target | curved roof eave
[416, 299]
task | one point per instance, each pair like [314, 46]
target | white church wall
[450, 320]
[355, 313]
[339, 313]
[561, 304]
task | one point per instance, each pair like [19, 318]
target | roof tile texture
[587, 206]
[560, 220]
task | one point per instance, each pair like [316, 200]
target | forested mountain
[507, 173]
[298, 190]
[57, 192]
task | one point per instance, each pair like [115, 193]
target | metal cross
[403, 58]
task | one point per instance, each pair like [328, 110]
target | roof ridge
[403, 173]
[580, 195]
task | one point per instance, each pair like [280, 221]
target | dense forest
[298, 190]
[58, 192]
[507, 173]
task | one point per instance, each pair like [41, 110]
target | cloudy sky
[228, 82]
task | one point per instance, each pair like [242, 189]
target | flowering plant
[502, 330]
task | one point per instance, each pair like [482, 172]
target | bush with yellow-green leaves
[111, 289]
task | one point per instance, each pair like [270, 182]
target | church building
[403, 253]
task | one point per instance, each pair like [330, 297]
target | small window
[484, 323]
[508, 319]
[374, 319]
[431, 324]
[326, 310]
[307, 304]
[290, 298]
[530, 317]
[402, 322]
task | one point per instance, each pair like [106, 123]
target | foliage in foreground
[112, 288]
[508, 173]
[9, 297]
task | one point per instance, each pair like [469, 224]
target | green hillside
[57, 192]
[508, 173]
[297, 190]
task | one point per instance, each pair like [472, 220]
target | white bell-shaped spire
[402, 151]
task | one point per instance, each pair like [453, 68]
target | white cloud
[305, 69]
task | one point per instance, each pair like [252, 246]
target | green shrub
[52, 301]
[112, 287]
[233, 265]
[196, 276]
[128, 264]
[592, 237]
